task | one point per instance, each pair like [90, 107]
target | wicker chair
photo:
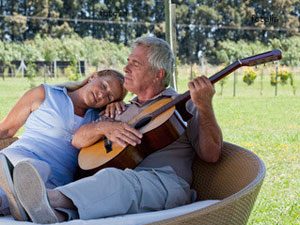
[235, 180]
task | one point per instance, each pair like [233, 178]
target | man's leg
[58, 200]
[109, 192]
[112, 192]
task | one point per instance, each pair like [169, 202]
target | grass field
[267, 125]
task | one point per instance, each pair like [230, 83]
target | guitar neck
[181, 99]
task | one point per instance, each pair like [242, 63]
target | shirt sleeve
[193, 125]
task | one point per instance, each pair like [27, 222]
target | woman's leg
[4, 206]
[9, 201]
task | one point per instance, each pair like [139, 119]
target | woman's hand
[113, 109]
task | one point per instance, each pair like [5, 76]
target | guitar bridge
[107, 145]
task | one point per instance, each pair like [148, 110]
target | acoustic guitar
[161, 124]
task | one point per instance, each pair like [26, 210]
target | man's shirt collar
[168, 92]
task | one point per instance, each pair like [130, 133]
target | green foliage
[71, 73]
[201, 26]
[98, 53]
[31, 73]
[222, 56]
[222, 83]
[290, 48]
[282, 77]
[249, 75]
[230, 51]
[31, 70]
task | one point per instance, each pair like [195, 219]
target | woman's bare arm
[18, 115]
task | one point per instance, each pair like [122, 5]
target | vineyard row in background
[271, 79]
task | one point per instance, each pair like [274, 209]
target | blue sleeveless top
[48, 135]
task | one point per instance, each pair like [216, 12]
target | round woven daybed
[235, 180]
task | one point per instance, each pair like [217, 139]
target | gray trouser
[113, 192]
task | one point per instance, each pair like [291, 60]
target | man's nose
[126, 68]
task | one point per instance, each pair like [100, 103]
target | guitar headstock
[261, 58]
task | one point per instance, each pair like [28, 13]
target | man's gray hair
[160, 55]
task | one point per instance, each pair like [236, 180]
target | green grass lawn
[270, 127]
[267, 125]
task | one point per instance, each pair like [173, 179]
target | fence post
[2, 69]
[261, 81]
[276, 79]
[54, 69]
[191, 72]
[170, 18]
[22, 67]
[234, 83]
[45, 73]
[84, 66]
[79, 68]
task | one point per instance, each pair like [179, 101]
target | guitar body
[157, 134]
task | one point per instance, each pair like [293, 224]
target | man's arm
[87, 135]
[118, 132]
[210, 135]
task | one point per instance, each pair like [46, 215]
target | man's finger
[112, 112]
[118, 108]
[125, 137]
[131, 138]
[133, 130]
[123, 107]
[120, 142]
[106, 112]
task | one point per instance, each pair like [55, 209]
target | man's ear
[160, 74]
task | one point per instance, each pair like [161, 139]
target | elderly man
[162, 180]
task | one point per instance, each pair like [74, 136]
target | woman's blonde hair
[74, 85]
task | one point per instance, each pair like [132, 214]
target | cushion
[130, 219]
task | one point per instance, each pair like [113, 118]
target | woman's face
[103, 90]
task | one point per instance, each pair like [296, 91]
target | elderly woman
[51, 115]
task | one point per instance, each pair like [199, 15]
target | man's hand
[113, 109]
[202, 92]
[121, 133]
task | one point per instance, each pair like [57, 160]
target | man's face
[139, 75]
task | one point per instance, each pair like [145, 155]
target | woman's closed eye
[103, 86]
[110, 98]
